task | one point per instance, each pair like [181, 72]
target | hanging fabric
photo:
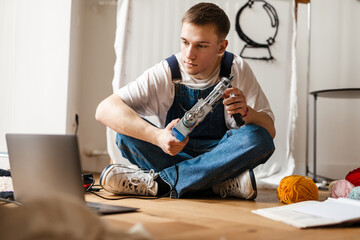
[149, 31]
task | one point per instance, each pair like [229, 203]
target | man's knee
[256, 136]
[122, 140]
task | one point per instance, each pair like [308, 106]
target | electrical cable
[129, 197]
[7, 201]
[77, 123]
[172, 192]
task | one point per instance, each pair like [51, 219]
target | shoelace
[140, 182]
[141, 177]
[228, 186]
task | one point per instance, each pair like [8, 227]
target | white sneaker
[120, 179]
[242, 186]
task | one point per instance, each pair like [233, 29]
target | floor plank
[215, 218]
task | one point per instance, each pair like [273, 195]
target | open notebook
[43, 165]
[331, 212]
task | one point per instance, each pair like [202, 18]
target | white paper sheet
[314, 213]
[336, 209]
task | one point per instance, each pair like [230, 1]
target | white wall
[46, 71]
[75, 62]
[56, 60]
[335, 51]
[92, 59]
[34, 62]
[333, 64]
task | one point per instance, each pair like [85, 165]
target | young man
[212, 156]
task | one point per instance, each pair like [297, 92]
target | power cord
[127, 197]
[7, 201]
[77, 123]
[89, 184]
[173, 193]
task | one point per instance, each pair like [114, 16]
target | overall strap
[225, 68]
[174, 67]
[226, 63]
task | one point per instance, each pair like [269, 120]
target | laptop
[43, 165]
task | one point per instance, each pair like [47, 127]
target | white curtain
[148, 32]
[34, 63]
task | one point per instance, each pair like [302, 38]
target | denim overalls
[213, 153]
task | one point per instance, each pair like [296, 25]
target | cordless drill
[199, 111]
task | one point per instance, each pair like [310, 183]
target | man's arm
[116, 114]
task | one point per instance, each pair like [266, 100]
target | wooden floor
[215, 218]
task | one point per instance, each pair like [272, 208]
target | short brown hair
[203, 14]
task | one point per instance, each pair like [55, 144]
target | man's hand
[234, 101]
[168, 143]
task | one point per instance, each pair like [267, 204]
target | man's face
[201, 49]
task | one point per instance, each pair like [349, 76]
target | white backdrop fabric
[149, 31]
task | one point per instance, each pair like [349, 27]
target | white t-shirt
[153, 92]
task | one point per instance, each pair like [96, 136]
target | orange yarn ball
[297, 188]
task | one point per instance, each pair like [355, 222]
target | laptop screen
[44, 165]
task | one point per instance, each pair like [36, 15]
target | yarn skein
[355, 193]
[296, 188]
[354, 177]
[341, 189]
[331, 185]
